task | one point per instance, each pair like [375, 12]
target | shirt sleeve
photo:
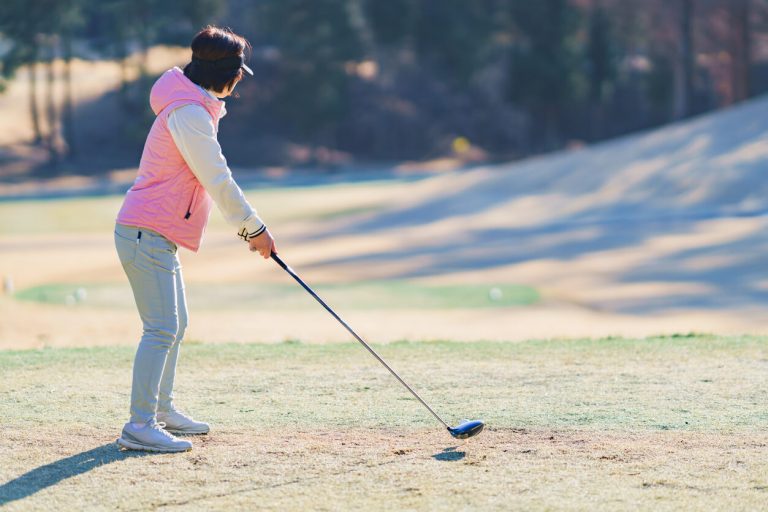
[193, 132]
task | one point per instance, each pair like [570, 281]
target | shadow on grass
[51, 474]
[447, 455]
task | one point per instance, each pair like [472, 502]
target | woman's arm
[193, 132]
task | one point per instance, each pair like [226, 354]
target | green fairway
[365, 295]
[661, 423]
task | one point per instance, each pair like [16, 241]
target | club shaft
[353, 333]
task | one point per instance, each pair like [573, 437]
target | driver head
[467, 429]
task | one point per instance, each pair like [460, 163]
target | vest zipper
[192, 203]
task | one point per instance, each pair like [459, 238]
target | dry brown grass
[658, 424]
[419, 469]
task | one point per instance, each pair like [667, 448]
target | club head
[467, 429]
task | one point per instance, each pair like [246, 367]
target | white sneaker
[152, 438]
[176, 422]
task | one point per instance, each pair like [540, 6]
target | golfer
[181, 174]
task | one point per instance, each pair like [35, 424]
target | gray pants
[152, 265]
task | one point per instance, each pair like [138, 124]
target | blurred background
[343, 81]
[538, 168]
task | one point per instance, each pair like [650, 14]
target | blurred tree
[22, 23]
[546, 64]
[741, 48]
[392, 22]
[50, 26]
[132, 27]
[54, 127]
[317, 42]
[359, 23]
[601, 62]
[454, 36]
[59, 18]
[32, 27]
[72, 21]
[684, 68]
[131, 24]
[412, 74]
[112, 32]
[197, 12]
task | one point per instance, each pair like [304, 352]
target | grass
[364, 295]
[656, 424]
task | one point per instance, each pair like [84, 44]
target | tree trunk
[68, 123]
[144, 43]
[597, 122]
[144, 66]
[122, 59]
[550, 128]
[741, 54]
[684, 69]
[53, 124]
[599, 68]
[34, 111]
[124, 99]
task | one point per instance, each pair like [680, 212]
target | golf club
[462, 431]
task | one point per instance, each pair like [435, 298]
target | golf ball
[8, 285]
[81, 294]
[495, 294]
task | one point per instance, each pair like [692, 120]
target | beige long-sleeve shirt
[193, 132]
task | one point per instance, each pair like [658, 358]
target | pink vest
[166, 196]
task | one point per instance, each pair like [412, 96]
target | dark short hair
[210, 45]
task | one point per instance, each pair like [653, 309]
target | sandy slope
[673, 220]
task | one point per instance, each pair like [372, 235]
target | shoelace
[160, 426]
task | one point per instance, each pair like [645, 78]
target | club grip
[278, 260]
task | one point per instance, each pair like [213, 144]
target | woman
[182, 172]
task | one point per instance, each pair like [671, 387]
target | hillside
[671, 219]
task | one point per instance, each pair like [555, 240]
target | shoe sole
[186, 432]
[130, 445]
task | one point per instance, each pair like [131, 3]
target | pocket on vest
[192, 202]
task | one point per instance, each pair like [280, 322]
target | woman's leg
[151, 266]
[175, 421]
[165, 403]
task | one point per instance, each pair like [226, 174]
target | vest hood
[174, 87]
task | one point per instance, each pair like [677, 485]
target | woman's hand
[264, 244]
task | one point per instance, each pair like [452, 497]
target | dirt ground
[656, 424]
[404, 470]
